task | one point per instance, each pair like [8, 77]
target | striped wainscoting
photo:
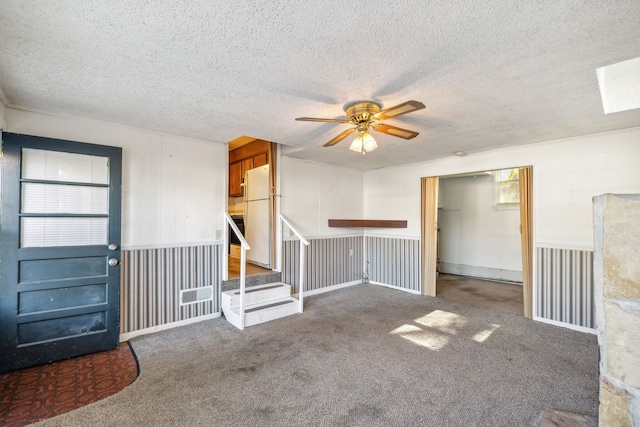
[329, 261]
[394, 261]
[564, 288]
[151, 281]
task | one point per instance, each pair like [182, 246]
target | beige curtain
[429, 235]
[526, 230]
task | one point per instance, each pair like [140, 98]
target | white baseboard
[355, 282]
[481, 272]
[396, 288]
[127, 336]
[329, 288]
[565, 325]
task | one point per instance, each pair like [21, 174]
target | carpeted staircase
[266, 298]
[258, 279]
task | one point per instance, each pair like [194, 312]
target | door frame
[429, 237]
[275, 225]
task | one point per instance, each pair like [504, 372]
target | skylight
[620, 86]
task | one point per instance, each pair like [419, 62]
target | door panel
[59, 294]
[57, 298]
[429, 235]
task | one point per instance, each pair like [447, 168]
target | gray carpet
[359, 356]
[481, 293]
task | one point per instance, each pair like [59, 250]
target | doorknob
[113, 262]
[113, 247]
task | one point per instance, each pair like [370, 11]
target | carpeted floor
[359, 356]
[33, 394]
[493, 295]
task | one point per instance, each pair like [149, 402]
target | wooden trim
[273, 206]
[526, 235]
[378, 223]
[429, 234]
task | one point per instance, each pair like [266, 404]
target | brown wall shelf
[378, 223]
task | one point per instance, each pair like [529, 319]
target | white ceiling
[492, 73]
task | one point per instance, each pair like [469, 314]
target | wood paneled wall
[394, 261]
[564, 286]
[329, 261]
[152, 279]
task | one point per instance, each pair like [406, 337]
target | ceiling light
[363, 143]
[459, 153]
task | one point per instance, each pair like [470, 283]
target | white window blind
[59, 166]
[60, 231]
[59, 198]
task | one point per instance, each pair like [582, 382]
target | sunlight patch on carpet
[483, 335]
[436, 328]
[443, 321]
[431, 340]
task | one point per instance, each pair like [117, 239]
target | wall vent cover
[195, 295]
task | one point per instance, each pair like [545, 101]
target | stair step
[270, 310]
[262, 303]
[259, 288]
[258, 279]
[263, 307]
[256, 294]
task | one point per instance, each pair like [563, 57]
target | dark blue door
[59, 269]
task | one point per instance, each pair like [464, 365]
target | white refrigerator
[257, 216]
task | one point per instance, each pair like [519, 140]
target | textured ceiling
[491, 73]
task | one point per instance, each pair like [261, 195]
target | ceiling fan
[368, 115]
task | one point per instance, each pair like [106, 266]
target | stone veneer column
[617, 298]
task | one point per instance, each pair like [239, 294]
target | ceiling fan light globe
[369, 143]
[363, 143]
[356, 145]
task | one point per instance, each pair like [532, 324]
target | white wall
[567, 173]
[312, 193]
[173, 188]
[3, 123]
[475, 238]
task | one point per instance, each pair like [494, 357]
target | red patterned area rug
[33, 394]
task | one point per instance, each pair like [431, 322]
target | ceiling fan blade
[398, 110]
[340, 137]
[395, 131]
[313, 119]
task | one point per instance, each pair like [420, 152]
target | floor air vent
[192, 296]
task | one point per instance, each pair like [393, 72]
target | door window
[64, 199]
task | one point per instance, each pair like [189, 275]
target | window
[507, 187]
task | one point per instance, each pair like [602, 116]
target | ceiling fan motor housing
[360, 112]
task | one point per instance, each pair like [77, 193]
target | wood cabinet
[260, 160]
[246, 164]
[252, 155]
[235, 179]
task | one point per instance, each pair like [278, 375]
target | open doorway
[476, 238]
[251, 204]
